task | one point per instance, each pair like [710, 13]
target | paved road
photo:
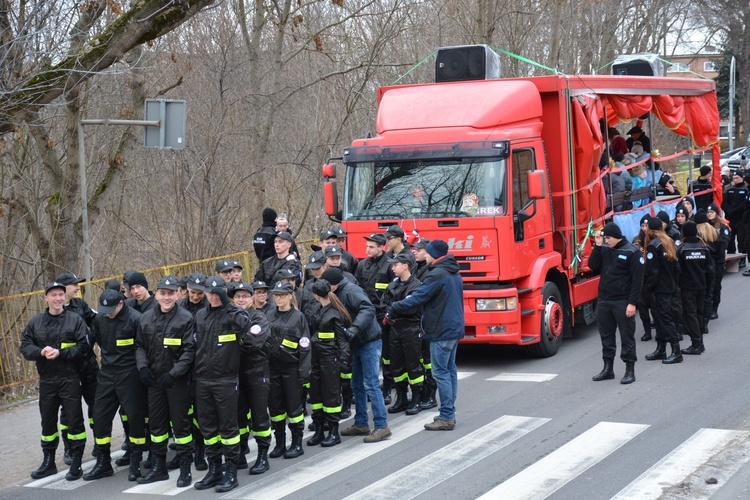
[527, 428]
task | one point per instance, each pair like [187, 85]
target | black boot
[212, 477]
[280, 448]
[333, 437]
[125, 458]
[229, 481]
[646, 336]
[186, 477]
[75, 471]
[103, 467]
[67, 457]
[402, 401]
[149, 460]
[261, 463]
[675, 357]
[659, 353]
[134, 471]
[295, 449]
[695, 348]
[158, 471]
[318, 437]
[346, 408]
[607, 372]
[428, 397]
[629, 377]
[244, 449]
[48, 466]
[200, 459]
[415, 405]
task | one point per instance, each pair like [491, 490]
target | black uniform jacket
[660, 275]
[191, 307]
[271, 265]
[328, 339]
[165, 342]
[696, 265]
[218, 334]
[254, 351]
[411, 321]
[289, 342]
[373, 276]
[116, 339]
[620, 269]
[66, 332]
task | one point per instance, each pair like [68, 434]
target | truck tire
[552, 323]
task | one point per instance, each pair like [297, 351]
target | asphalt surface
[526, 428]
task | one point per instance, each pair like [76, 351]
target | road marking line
[161, 487]
[318, 467]
[58, 481]
[523, 377]
[682, 461]
[463, 375]
[433, 469]
[558, 468]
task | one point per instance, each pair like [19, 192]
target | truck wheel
[552, 323]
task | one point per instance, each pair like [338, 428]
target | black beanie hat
[645, 218]
[138, 279]
[333, 275]
[664, 180]
[700, 217]
[269, 215]
[654, 223]
[612, 230]
[705, 170]
[663, 216]
[321, 288]
[689, 229]
[714, 207]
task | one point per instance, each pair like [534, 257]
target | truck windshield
[425, 189]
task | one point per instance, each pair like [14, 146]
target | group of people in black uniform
[207, 361]
[671, 271]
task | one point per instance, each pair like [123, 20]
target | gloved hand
[387, 320]
[222, 293]
[350, 333]
[147, 376]
[166, 381]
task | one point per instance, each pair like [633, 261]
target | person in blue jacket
[441, 299]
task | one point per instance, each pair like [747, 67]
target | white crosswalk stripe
[567, 462]
[326, 463]
[463, 375]
[426, 473]
[523, 377]
[687, 458]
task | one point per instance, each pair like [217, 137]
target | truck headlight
[504, 304]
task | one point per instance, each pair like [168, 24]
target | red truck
[507, 171]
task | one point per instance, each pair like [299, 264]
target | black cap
[285, 274]
[326, 234]
[223, 266]
[236, 263]
[137, 278]
[321, 288]
[126, 278]
[689, 229]
[53, 285]
[285, 235]
[112, 284]
[654, 223]
[333, 250]
[239, 286]
[258, 285]
[394, 232]
[168, 283]
[339, 232]
[333, 275]
[316, 261]
[282, 287]
[422, 243]
[635, 130]
[215, 281]
[403, 258]
[197, 281]
[108, 301]
[376, 238]
[700, 217]
[69, 279]
[612, 230]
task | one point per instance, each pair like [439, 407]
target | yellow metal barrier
[17, 310]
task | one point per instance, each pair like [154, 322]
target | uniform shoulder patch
[304, 342]
[642, 261]
[255, 329]
[649, 256]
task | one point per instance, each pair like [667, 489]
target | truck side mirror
[331, 198]
[329, 171]
[537, 184]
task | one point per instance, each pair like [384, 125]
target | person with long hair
[290, 368]
[645, 300]
[330, 350]
[696, 274]
[660, 282]
[720, 261]
[710, 236]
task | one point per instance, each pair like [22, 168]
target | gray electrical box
[171, 114]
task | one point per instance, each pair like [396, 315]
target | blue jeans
[365, 370]
[445, 373]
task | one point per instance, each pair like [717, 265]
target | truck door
[529, 216]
